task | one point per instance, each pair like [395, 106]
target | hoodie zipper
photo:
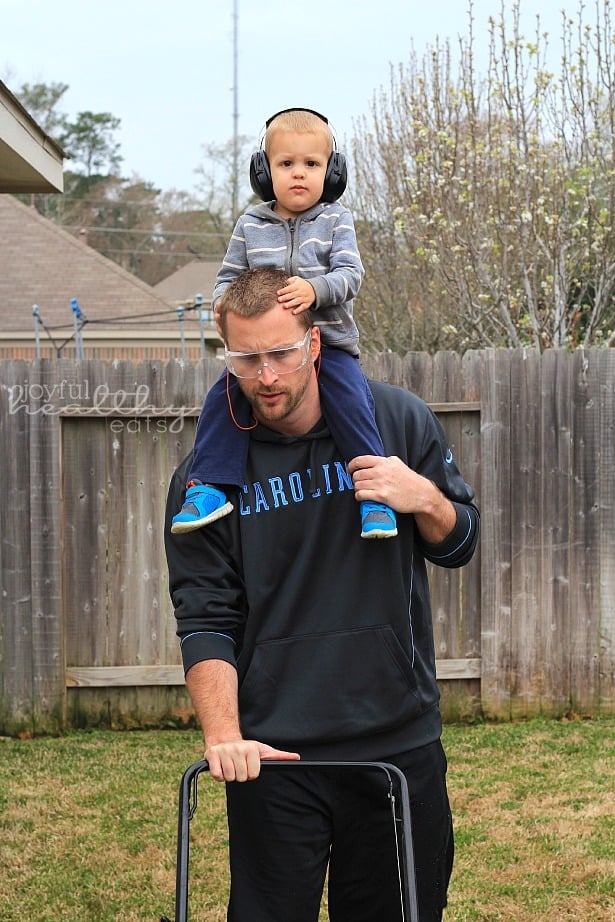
[291, 228]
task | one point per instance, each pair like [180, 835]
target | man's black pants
[285, 828]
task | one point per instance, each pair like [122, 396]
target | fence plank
[606, 475]
[86, 541]
[85, 519]
[128, 568]
[130, 676]
[176, 442]
[445, 584]
[114, 676]
[15, 565]
[526, 519]
[75, 384]
[470, 466]
[555, 600]
[496, 535]
[46, 543]
[584, 564]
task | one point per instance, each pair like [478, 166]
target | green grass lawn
[88, 825]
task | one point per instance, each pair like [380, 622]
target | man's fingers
[234, 761]
[240, 760]
[270, 754]
[362, 462]
[215, 766]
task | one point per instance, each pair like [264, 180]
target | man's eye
[278, 354]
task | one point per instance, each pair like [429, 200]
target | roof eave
[30, 161]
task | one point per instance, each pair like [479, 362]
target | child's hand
[298, 295]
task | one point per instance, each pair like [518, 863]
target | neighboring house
[191, 286]
[43, 268]
[122, 318]
[195, 279]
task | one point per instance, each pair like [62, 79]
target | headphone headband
[319, 115]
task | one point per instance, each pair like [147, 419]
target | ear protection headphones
[260, 173]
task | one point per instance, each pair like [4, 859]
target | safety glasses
[281, 361]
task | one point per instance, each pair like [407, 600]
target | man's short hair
[253, 293]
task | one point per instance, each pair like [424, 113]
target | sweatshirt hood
[262, 433]
[315, 435]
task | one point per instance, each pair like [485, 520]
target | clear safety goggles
[281, 361]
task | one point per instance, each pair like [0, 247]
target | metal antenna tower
[235, 182]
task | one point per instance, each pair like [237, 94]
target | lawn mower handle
[188, 802]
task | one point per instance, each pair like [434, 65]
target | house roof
[43, 265]
[197, 277]
[29, 160]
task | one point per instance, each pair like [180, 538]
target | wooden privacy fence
[87, 634]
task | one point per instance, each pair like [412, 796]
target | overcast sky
[166, 67]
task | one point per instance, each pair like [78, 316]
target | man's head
[253, 293]
[271, 351]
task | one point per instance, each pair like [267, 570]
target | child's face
[298, 164]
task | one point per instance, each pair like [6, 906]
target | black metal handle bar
[188, 802]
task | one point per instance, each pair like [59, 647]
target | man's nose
[268, 375]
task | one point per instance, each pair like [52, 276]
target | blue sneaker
[377, 521]
[203, 504]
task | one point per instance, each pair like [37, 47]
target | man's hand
[390, 481]
[240, 760]
[298, 295]
[213, 688]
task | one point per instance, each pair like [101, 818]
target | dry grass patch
[533, 805]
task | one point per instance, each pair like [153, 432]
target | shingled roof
[42, 264]
[196, 277]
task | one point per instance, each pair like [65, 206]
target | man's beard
[290, 399]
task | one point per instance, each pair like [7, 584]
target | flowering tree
[486, 207]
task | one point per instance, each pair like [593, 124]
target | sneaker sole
[379, 533]
[181, 528]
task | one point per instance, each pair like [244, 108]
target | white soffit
[29, 160]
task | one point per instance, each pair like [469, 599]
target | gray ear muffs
[336, 175]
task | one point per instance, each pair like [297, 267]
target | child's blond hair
[299, 120]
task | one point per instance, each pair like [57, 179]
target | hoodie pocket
[324, 687]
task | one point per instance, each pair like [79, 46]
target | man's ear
[315, 343]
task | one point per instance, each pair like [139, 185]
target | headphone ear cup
[336, 178]
[260, 176]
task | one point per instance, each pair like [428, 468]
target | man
[300, 640]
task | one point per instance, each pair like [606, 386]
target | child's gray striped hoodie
[319, 245]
